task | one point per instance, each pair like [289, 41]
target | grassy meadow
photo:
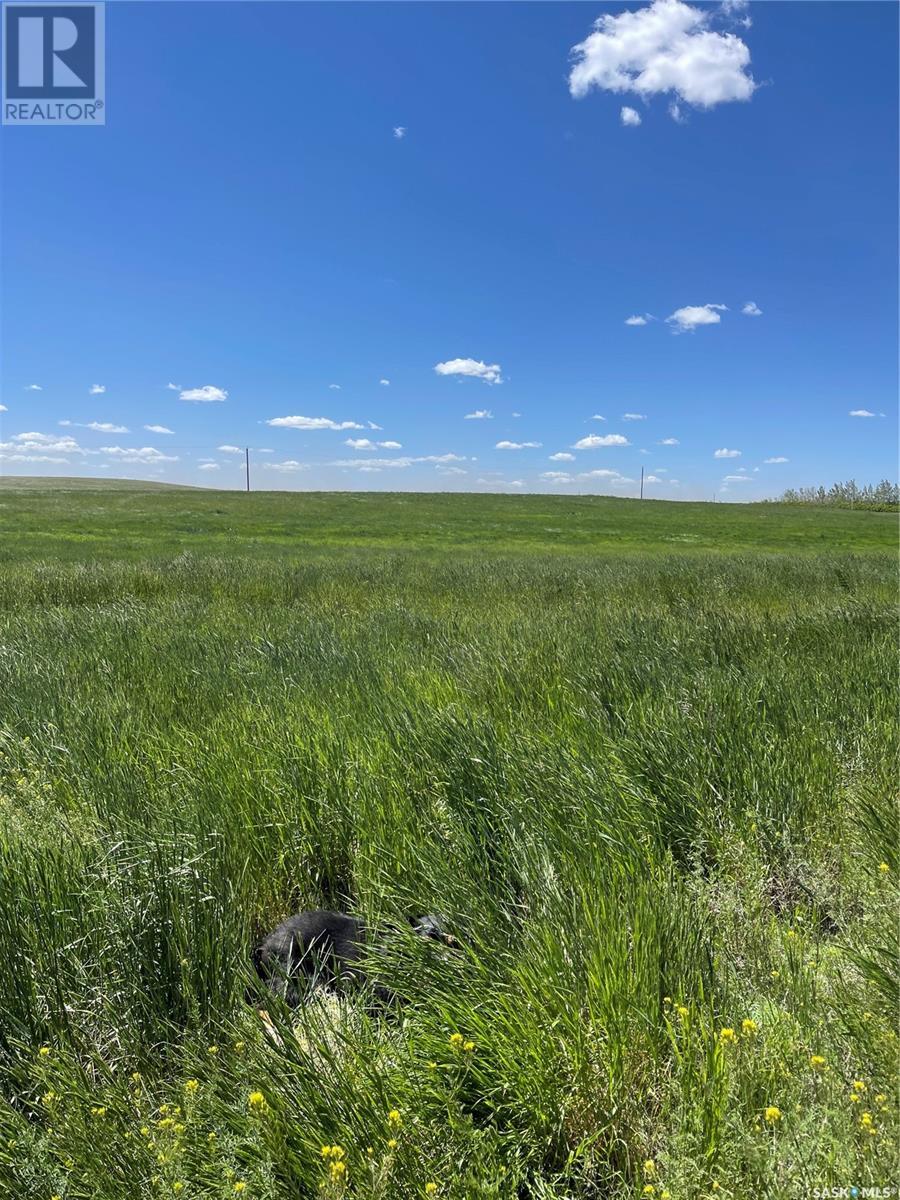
[641, 756]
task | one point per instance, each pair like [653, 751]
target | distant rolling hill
[46, 483]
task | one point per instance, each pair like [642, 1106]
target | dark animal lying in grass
[325, 949]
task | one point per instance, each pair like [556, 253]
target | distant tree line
[883, 497]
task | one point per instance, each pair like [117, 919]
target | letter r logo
[50, 51]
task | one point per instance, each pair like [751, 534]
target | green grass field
[641, 756]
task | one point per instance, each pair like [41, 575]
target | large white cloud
[594, 441]
[203, 395]
[471, 367]
[665, 48]
[313, 423]
[685, 320]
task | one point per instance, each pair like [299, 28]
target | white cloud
[335, 387]
[637, 320]
[289, 464]
[363, 464]
[204, 395]
[594, 441]
[3, 408]
[687, 319]
[751, 309]
[597, 417]
[359, 444]
[515, 414]
[371, 425]
[518, 446]
[97, 389]
[778, 459]
[556, 476]
[600, 473]
[105, 427]
[399, 132]
[634, 416]
[230, 449]
[452, 471]
[157, 429]
[385, 382]
[30, 458]
[49, 443]
[142, 454]
[209, 466]
[391, 445]
[664, 48]
[726, 453]
[562, 456]
[864, 412]
[629, 116]
[313, 423]
[174, 387]
[34, 387]
[736, 479]
[472, 368]
[653, 479]
[480, 414]
[669, 442]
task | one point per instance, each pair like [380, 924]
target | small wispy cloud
[634, 416]
[637, 319]
[692, 316]
[204, 395]
[751, 309]
[137, 454]
[385, 382]
[864, 412]
[736, 479]
[33, 387]
[97, 426]
[668, 442]
[779, 458]
[595, 441]
[562, 456]
[157, 429]
[471, 367]
[97, 389]
[726, 453]
[230, 449]
[209, 466]
[629, 116]
[518, 446]
[334, 387]
[312, 423]
[288, 466]
[174, 387]
[399, 132]
[480, 414]
[597, 417]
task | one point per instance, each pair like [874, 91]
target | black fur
[323, 949]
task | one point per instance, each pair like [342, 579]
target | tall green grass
[653, 796]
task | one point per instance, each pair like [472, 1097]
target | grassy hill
[143, 521]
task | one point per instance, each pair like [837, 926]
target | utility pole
[642, 483]
[247, 465]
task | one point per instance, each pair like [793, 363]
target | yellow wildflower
[392, 1143]
[866, 1120]
[665, 1194]
[191, 1086]
[44, 1052]
[212, 1050]
[772, 1114]
[337, 1151]
[430, 1189]
[648, 1189]
[178, 1130]
[682, 1012]
[394, 1118]
[748, 1026]
[240, 1186]
[468, 1047]
[456, 1040]
[716, 1185]
[257, 1101]
[99, 1111]
[239, 1046]
[211, 1137]
[881, 1099]
[854, 1098]
[432, 1066]
[145, 1131]
[135, 1077]
[49, 1098]
[726, 1035]
[338, 1170]
[649, 1168]
[817, 1062]
[858, 1085]
[177, 1186]
[326, 1151]
[883, 868]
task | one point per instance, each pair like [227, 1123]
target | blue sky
[249, 240]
